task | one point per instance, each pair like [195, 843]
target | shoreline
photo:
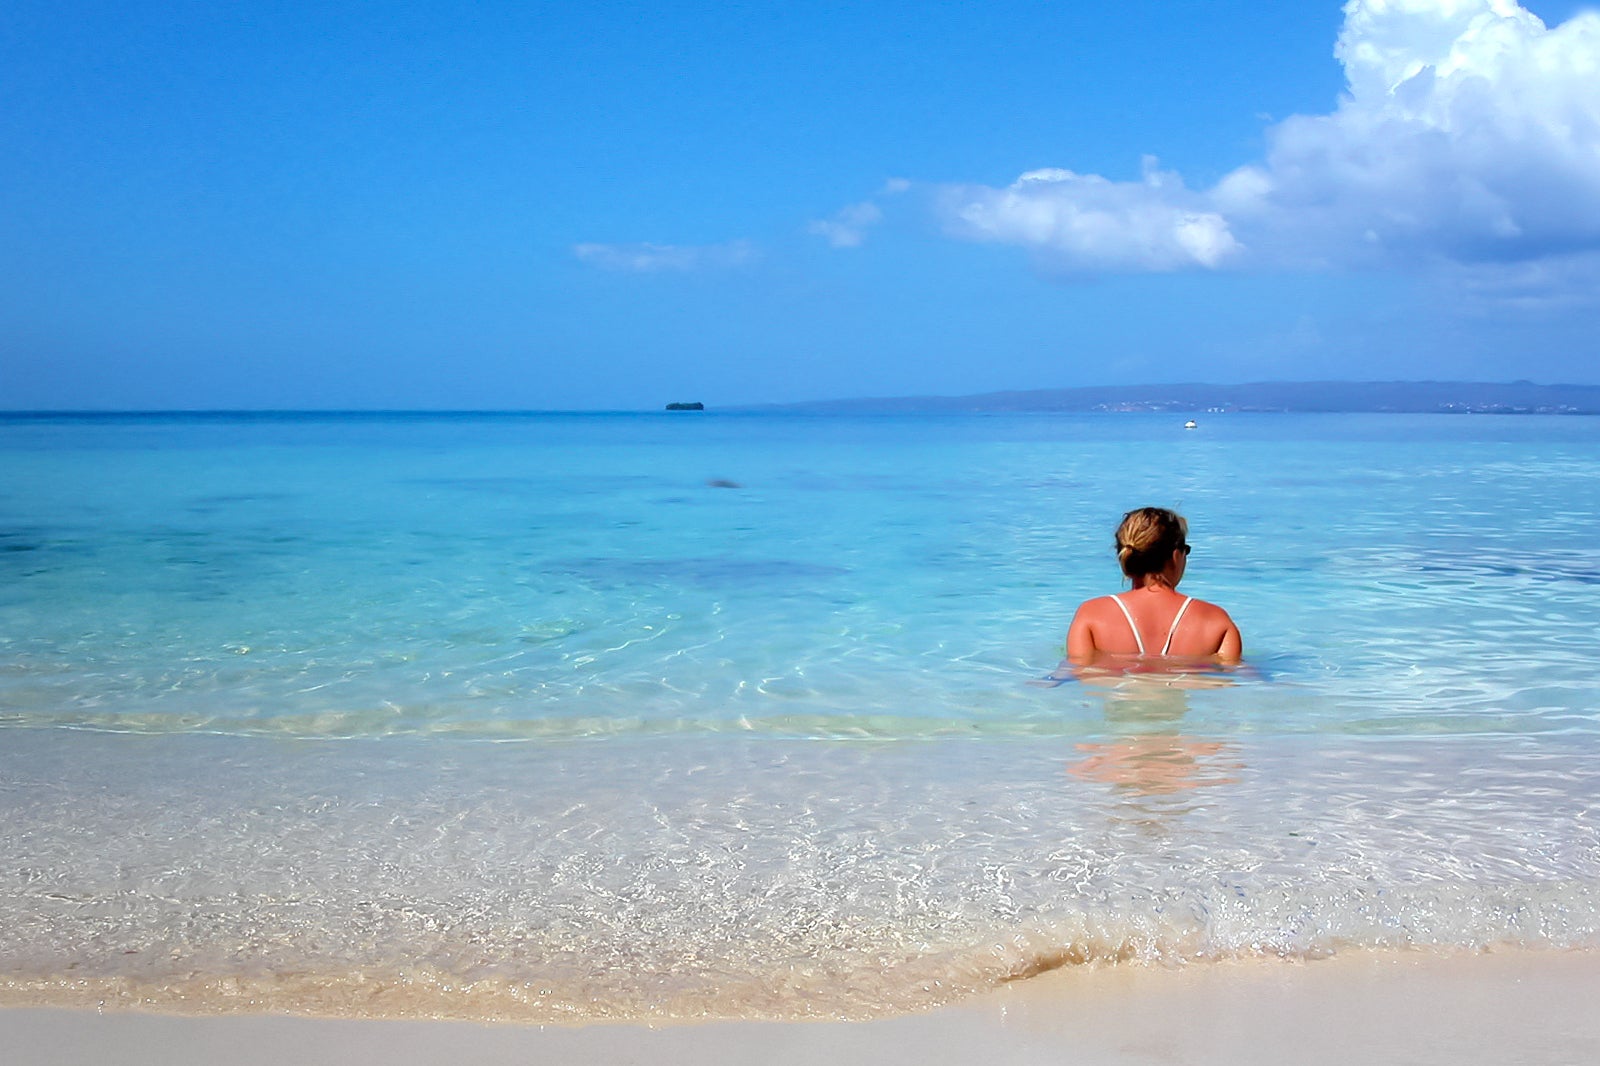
[1417, 1007]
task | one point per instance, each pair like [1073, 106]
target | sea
[596, 717]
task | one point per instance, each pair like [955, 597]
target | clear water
[597, 716]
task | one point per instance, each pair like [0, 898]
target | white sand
[1511, 1007]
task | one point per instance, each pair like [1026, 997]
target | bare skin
[1099, 630]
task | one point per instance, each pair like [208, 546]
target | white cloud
[847, 228]
[1087, 222]
[1469, 136]
[647, 258]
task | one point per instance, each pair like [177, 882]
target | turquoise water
[582, 716]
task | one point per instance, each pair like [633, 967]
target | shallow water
[760, 687]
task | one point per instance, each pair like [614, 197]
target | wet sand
[1406, 1007]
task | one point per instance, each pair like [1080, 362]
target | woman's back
[1153, 618]
[1147, 622]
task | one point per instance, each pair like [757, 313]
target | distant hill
[1445, 397]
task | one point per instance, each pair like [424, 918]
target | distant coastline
[1393, 397]
[1306, 397]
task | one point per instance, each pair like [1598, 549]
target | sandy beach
[1504, 1007]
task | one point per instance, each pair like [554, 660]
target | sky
[612, 206]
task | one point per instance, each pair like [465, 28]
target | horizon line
[49, 412]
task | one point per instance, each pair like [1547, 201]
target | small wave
[525, 982]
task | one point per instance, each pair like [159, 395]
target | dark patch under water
[1584, 570]
[704, 571]
[16, 543]
[512, 485]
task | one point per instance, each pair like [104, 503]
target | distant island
[696, 406]
[1396, 397]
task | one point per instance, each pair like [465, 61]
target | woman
[1152, 618]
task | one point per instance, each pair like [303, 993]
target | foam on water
[755, 878]
[772, 749]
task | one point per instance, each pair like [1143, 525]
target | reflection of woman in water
[1147, 754]
[1153, 618]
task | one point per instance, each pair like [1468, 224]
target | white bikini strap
[1173, 631]
[1129, 616]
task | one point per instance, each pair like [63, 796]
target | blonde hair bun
[1147, 538]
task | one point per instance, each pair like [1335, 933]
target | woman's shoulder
[1094, 613]
[1206, 609]
[1212, 622]
[1097, 604]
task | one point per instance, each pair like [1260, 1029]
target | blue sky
[608, 205]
